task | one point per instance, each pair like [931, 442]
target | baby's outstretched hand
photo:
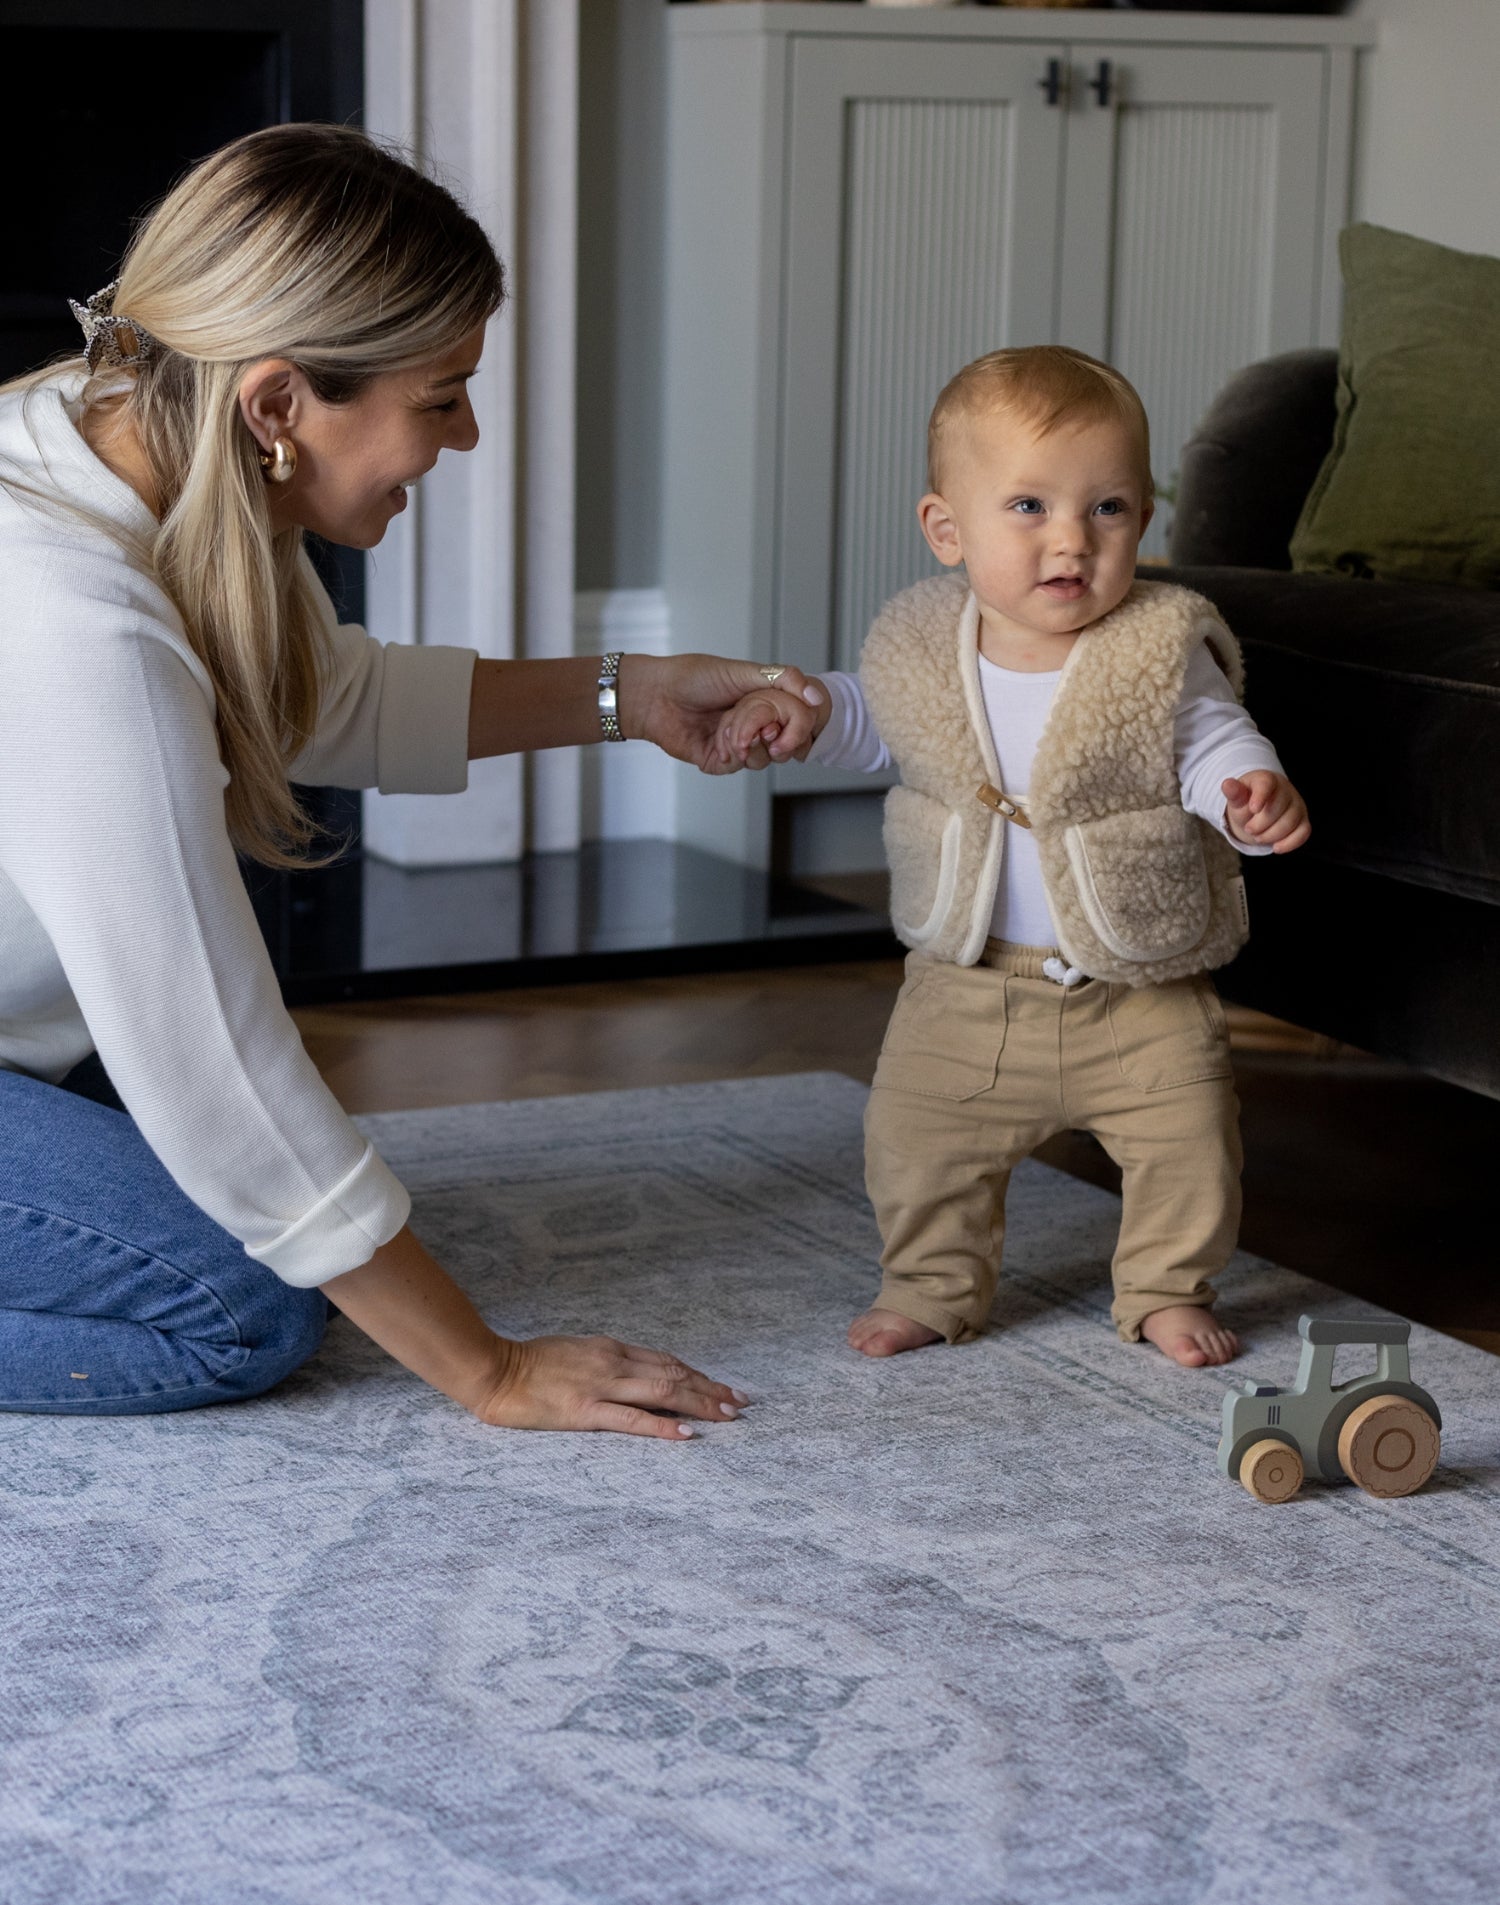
[1265, 810]
[767, 725]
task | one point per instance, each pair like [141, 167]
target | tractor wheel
[1389, 1446]
[1271, 1470]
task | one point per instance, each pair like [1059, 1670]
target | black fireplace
[106, 105]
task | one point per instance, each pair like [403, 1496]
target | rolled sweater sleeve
[391, 716]
[112, 831]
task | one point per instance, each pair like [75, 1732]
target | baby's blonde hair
[1042, 386]
[312, 243]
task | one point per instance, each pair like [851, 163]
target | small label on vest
[1242, 902]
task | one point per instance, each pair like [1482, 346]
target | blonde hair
[313, 243]
[1042, 386]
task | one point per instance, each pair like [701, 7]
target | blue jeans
[118, 1296]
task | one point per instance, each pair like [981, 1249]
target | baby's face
[1048, 526]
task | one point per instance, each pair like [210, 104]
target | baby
[1075, 765]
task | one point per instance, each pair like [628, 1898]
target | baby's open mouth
[1065, 585]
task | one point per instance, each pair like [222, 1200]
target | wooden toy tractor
[1380, 1430]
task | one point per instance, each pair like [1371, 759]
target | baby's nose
[1073, 533]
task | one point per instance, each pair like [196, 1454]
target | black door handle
[1052, 83]
[1103, 82]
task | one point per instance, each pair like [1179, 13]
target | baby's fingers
[1266, 815]
[1291, 831]
[1237, 798]
[743, 728]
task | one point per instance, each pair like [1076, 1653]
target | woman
[287, 349]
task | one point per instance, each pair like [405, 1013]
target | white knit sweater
[124, 924]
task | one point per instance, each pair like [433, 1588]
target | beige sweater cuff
[422, 736]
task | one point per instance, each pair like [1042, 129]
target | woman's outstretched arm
[673, 700]
[406, 1302]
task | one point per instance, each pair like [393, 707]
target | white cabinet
[1199, 225]
[862, 201]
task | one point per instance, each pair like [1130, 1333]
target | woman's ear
[273, 395]
[941, 531]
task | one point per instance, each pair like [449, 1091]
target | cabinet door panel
[921, 231]
[1192, 234]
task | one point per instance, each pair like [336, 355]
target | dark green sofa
[1384, 701]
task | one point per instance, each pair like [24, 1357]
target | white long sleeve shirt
[1214, 740]
[124, 924]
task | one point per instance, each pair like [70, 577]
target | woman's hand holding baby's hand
[1265, 810]
[752, 728]
[769, 725]
[681, 702]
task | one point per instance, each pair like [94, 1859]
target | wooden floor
[1372, 1177]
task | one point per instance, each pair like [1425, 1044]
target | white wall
[488, 91]
[1428, 161]
[621, 189]
[1429, 140]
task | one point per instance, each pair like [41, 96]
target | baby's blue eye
[1112, 506]
[1028, 505]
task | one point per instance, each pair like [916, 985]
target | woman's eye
[452, 404]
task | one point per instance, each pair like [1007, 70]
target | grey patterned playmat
[972, 1625]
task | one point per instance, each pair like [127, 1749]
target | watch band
[609, 701]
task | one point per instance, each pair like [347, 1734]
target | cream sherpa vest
[1141, 891]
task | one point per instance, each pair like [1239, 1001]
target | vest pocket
[1142, 881]
[946, 1033]
[922, 840]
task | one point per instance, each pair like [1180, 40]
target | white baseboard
[478, 827]
[629, 788]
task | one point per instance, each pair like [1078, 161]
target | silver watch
[609, 700]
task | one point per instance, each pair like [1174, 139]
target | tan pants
[982, 1063]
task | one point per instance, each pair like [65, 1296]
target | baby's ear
[935, 520]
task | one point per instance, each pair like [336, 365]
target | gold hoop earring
[281, 465]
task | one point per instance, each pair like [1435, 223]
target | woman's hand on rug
[594, 1382]
[407, 1302]
[678, 702]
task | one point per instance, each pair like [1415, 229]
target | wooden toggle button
[999, 803]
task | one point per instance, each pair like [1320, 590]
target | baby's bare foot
[1190, 1336]
[887, 1333]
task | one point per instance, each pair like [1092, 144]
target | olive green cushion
[1410, 490]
